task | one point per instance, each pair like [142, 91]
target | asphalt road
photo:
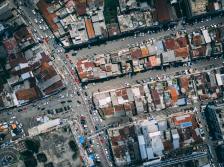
[28, 116]
[120, 82]
[122, 43]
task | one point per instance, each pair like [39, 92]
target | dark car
[78, 93]
[79, 102]
[86, 94]
[69, 101]
[62, 102]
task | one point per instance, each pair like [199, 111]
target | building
[214, 114]
[43, 128]
[5, 10]
[194, 7]
[124, 144]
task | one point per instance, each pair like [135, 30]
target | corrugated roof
[26, 94]
[89, 28]
[155, 97]
[174, 94]
[49, 17]
[184, 83]
[80, 7]
[182, 52]
[182, 41]
[136, 53]
[145, 51]
[178, 119]
[196, 40]
[170, 44]
[162, 10]
[47, 71]
[199, 52]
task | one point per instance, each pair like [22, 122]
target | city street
[75, 102]
[114, 45]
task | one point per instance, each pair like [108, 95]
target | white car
[40, 27]
[35, 20]
[33, 11]
[13, 117]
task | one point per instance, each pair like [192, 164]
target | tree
[73, 146]
[26, 155]
[31, 162]
[41, 157]
[32, 145]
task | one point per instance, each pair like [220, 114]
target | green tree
[32, 145]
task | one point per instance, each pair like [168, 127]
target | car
[78, 93]
[62, 102]
[69, 101]
[79, 102]
[138, 82]
[86, 94]
[35, 20]
[33, 11]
